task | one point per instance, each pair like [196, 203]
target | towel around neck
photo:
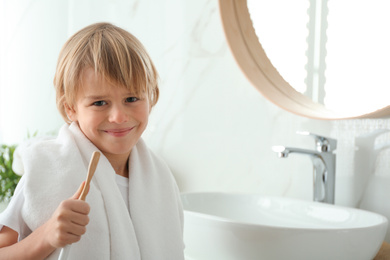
[151, 229]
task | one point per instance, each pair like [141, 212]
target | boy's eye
[99, 103]
[131, 99]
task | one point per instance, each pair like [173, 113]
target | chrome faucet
[324, 164]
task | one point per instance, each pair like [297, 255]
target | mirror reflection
[335, 52]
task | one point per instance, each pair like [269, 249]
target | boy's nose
[118, 115]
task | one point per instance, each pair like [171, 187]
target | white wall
[212, 127]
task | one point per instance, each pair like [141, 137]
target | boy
[106, 85]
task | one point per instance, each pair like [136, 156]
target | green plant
[8, 178]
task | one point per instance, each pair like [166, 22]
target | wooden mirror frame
[253, 61]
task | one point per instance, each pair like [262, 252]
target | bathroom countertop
[384, 252]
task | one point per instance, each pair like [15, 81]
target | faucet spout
[283, 151]
[324, 165]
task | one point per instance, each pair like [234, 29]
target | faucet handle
[323, 144]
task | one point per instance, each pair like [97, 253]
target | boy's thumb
[76, 196]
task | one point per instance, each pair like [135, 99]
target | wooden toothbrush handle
[91, 170]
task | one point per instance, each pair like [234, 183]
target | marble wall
[211, 126]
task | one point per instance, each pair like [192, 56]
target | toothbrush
[91, 170]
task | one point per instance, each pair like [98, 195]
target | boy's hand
[66, 226]
[68, 222]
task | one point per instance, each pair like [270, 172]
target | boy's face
[111, 117]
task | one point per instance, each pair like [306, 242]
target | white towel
[54, 169]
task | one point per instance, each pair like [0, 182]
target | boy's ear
[70, 112]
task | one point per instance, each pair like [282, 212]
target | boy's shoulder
[145, 150]
[36, 148]
[38, 145]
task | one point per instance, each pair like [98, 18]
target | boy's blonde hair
[114, 54]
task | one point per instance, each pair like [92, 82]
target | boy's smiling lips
[118, 132]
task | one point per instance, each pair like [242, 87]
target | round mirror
[311, 60]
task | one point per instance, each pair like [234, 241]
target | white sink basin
[226, 226]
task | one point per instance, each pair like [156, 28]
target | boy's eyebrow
[94, 97]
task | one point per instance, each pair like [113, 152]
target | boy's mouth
[119, 132]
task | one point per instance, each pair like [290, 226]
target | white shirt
[123, 185]
[12, 218]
